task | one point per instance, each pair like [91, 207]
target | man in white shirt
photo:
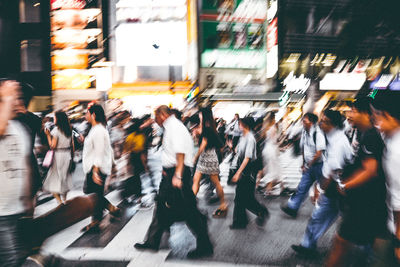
[313, 144]
[338, 154]
[387, 120]
[16, 199]
[175, 200]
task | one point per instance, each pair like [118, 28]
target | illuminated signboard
[69, 61]
[67, 4]
[71, 81]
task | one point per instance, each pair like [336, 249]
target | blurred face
[88, 117]
[385, 123]
[325, 124]
[358, 119]
[307, 123]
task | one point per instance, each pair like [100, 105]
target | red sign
[272, 34]
[67, 4]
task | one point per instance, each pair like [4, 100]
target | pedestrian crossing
[116, 242]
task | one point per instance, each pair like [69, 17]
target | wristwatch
[342, 187]
[177, 176]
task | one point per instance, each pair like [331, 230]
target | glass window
[29, 11]
[31, 57]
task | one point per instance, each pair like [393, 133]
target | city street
[267, 246]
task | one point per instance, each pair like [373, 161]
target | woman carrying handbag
[58, 179]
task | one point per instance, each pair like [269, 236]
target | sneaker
[291, 212]
[200, 252]
[261, 218]
[303, 251]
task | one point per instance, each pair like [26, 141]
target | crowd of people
[351, 173]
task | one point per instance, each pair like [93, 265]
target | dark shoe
[200, 252]
[261, 218]
[117, 212]
[303, 251]
[291, 212]
[145, 246]
[237, 226]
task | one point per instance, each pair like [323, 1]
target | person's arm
[396, 217]
[368, 171]
[52, 140]
[8, 95]
[98, 151]
[239, 172]
[202, 147]
[177, 178]
[316, 157]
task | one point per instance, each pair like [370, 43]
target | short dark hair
[335, 118]
[388, 101]
[311, 117]
[163, 109]
[99, 112]
[247, 122]
[362, 104]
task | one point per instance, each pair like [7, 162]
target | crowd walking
[351, 174]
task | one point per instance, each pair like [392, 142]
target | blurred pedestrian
[338, 153]
[312, 144]
[387, 119]
[207, 159]
[16, 195]
[272, 176]
[175, 200]
[245, 178]
[58, 180]
[97, 163]
[362, 186]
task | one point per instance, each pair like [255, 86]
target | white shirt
[233, 128]
[338, 152]
[97, 150]
[310, 147]
[391, 165]
[176, 139]
[14, 168]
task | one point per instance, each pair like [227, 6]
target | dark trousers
[13, 250]
[174, 205]
[245, 199]
[91, 187]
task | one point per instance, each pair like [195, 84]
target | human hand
[96, 178]
[9, 91]
[177, 182]
[304, 168]
[236, 177]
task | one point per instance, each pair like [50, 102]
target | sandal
[220, 213]
[93, 227]
[117, 212]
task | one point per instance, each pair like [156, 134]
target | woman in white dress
[58, 180]
[272, 168]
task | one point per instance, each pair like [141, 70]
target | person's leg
[306, 182]
[324, 214]
[239, 211]
[64, 197]
[196, 182]
[12, 248]
[220, 191]
[251, 202]
[58, 198]
[339, 252]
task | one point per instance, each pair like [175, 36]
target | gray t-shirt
[246, 148]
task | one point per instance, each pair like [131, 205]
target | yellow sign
[76, 81]
[69, 61]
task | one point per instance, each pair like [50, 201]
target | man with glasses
[338, 153]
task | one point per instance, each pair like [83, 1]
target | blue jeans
[309, 177]
[324, 214]
[13, 251]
